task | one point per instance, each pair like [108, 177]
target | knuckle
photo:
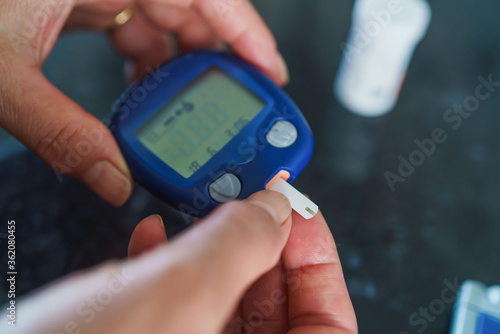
[56, 143]
[53, 143]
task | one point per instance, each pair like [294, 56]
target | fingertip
[283, 74]
[276, 70]
[110, 182]
[310, 242]
[149, 233]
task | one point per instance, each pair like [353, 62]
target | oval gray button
[225, 188]
[282, 134]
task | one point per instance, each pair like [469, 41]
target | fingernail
[283, 68]
[159, 220]
[108, 182]
[276, 204]
[122, 166]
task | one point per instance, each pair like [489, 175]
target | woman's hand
[67, 138]
[244, 269]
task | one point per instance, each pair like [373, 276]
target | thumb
[202, 273]
[207, 270]
[60, 132]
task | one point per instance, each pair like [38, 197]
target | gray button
[225, 188]
[282, 134]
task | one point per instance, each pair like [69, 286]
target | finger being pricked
[147, 235]
[317, 294]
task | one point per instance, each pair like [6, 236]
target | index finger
[318, 296]
[237, 23]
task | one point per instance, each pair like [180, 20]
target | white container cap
[381, 43]
[408, 17]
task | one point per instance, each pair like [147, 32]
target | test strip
[300, 203]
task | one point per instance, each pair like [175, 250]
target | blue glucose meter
[211, 129]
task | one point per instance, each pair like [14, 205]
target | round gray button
[225, 188]
[282, 134]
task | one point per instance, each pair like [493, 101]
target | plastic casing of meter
[248, 155]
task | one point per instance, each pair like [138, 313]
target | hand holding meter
[214, 129]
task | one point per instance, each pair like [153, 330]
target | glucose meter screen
[198, 122]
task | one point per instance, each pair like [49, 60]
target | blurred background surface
[397, 248]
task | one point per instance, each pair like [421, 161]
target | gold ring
[123, 17]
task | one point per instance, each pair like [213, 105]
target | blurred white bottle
[381, 43]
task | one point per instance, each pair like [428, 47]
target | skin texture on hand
[244, 269]
[58, 130]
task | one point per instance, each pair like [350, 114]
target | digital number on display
[199, 122]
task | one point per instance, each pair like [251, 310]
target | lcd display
[199, 121]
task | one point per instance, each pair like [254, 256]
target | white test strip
[300, 203]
